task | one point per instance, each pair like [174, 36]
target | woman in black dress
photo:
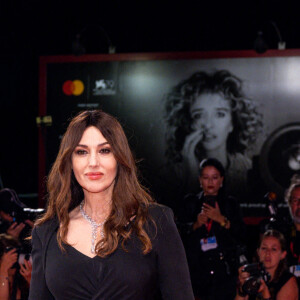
[102, 236]
[214, 231]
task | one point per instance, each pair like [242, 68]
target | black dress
[122, 275]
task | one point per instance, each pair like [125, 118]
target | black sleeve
[174, 277]
[38, 287]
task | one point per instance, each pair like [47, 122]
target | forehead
[210, 171]
[296, 193]
[270, 241]
[92, 135]
[212, 101]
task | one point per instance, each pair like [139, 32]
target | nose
[93, 160]
[207, 122]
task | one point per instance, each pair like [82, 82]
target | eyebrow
[218, 108]
[85, 146]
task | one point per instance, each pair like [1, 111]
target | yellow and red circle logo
[75, 87]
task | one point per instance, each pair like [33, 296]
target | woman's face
[93, 163]
[211, 114]
[210, 180]
[270, 253]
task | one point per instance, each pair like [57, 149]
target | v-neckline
[76, 250]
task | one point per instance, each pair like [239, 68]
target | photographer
[281, 284]
[15, 273]
[214, 233]
[14, 220]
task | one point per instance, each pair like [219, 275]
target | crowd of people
[103, 236]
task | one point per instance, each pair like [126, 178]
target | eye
[105, 150]
[197, 116]
[80, 152]
[221, 114]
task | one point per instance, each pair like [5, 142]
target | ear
[222, 179]
[199, 178]
[283, 255]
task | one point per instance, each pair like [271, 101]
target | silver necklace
[94, 225]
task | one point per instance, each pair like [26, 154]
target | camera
[20, 214]
[257, 272]
[22, 256]
[10, 204]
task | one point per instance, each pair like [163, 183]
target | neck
[97, 206]
[220, 154]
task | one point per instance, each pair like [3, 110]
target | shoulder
[290, 289]
[42, 231]
[159, 212]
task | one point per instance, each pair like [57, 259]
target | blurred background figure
[213, 231]
[15, 269]
[292, 197]
[16, 219]
[208, 115]
[270, 278]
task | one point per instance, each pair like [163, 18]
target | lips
[208, 137]
[94, 175]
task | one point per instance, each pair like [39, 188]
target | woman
[216, 231]
[282, 284]
[207, 115]
[14, 277]
[102, 236]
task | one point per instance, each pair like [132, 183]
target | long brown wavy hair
[130, 199]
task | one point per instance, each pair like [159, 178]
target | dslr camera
[10, 204]
[257, 272]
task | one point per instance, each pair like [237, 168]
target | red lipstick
[94, 175]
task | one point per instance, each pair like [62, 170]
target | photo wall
[176, 109]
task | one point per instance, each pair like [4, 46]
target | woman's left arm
[174, 277]
[289, 290]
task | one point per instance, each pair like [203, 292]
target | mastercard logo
[75, 87]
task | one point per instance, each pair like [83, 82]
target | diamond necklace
[94, 225]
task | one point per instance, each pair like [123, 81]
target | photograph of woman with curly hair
[208, 115]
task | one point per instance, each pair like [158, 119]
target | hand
[264, 290]
[25, 270]
[243, 276]
[30, 223]
[7, 261]
[213, 212]
[190, 161]
[201, 220]
[15, 229]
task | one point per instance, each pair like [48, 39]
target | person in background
[14, 277]
[208, 115]
[292, 197]
[214, 233]
[103, 236]
[9, 204]
[282, 285]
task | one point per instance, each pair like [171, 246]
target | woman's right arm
[38, 287]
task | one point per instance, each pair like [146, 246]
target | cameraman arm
[15, 229]
[7, 261]
[240, 295]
